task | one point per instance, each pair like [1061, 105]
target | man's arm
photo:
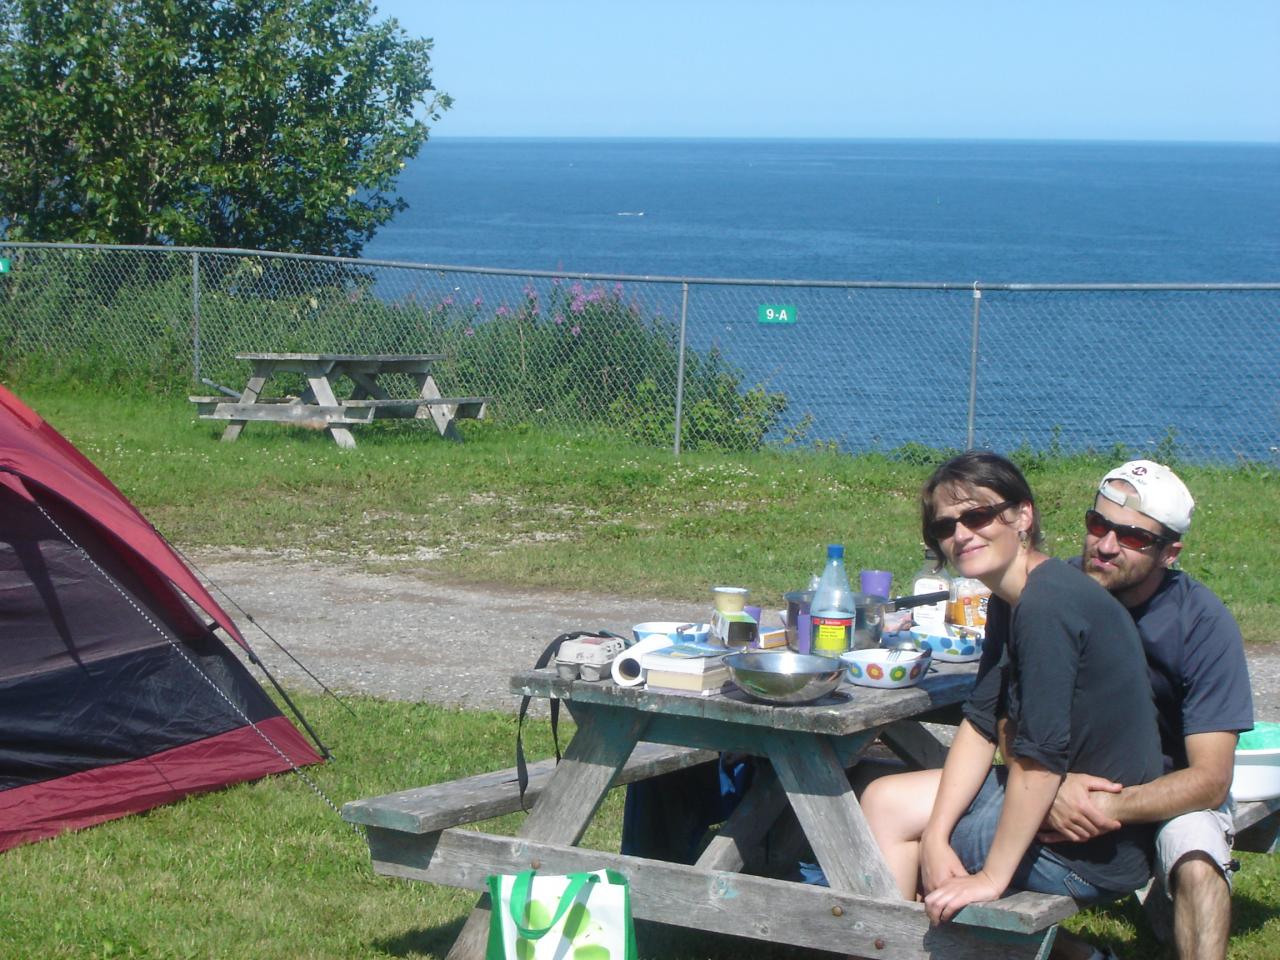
[1202, 785]
[1088, 806]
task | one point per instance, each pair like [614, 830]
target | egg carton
[587, 658]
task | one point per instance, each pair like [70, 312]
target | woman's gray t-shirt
[1066, 667]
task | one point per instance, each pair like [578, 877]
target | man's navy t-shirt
[1196, 663]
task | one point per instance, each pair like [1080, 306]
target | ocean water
[1073, 212]
[880, 368]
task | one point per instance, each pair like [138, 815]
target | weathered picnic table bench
[319, 407]
[625, 735]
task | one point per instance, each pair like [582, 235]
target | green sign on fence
[777, 313]
[4, 264]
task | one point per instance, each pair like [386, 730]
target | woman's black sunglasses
[1135, 538]
[975, 519]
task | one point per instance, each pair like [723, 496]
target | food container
[677, 631]
[888, 669]
[784, 678]
[958, 645]
[1257, 770]
[587, 658]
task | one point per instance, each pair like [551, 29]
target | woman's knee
[900, 804]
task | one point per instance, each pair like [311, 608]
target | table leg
[367, 386]
[810, 771]
[319, 382]
[249, 395]
[605, 738]
[745, 829]
[441, 413]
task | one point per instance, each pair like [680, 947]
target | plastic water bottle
[831, 612]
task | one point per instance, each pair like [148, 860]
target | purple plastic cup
[876, 583]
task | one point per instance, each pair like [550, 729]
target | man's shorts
[1209, 832]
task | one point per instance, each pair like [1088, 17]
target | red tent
[116, 695]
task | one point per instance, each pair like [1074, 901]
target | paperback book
[714, 680]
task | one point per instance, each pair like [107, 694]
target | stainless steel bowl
[778, 677]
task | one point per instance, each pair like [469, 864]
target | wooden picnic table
[319, 407]
[808, 747]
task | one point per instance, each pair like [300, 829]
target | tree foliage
[264, 124]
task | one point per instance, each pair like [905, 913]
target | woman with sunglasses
[1062, 687]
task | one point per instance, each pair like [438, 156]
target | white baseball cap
[1160, 494]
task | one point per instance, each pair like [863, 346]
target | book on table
[691, 658]
[711, 681]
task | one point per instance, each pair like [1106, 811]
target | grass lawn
[267, 870]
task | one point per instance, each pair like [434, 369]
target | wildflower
[578, 304]
[469, 332]
[558, 319]
[503, 311]
[447, 301]
[617, 289]
[595, 296]
[479, 300]
[529, 292]
[576, 289]
[575, 329]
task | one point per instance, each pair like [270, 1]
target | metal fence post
[684, 315]
[973, 363]
[195, 312]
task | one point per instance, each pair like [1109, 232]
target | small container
[587, 658]
[730, 599]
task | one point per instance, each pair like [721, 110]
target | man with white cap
[1200, 679]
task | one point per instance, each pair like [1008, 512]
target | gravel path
[407, 636]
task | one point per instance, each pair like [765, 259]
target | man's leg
[1190, 898]
[1201, 908]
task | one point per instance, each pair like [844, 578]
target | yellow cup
[730, 599]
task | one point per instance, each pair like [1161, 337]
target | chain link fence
[1179, 372]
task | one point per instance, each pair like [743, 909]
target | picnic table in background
[319, 407]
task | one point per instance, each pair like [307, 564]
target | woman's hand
[938, 864]
[957, 893]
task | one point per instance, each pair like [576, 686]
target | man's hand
[1081, 810]
[957, 893]
[938, 864]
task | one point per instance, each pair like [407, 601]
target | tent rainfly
[116, 695]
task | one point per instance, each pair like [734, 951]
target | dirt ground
[409, 636]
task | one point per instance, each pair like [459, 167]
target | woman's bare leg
[897, 809]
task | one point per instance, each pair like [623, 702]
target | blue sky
[1122, 69]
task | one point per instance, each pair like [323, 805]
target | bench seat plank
[760, 908]
[441, 805]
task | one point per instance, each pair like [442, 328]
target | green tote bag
[578, 916]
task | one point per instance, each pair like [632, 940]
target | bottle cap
[835, 551]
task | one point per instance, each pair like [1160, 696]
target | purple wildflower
[447, 301]
[578, 304]
[470, 332]
[529, 292]
[558, 319]
[503, 311]
[617, 289]
[477, 301]
[576, 289]
[575, 329]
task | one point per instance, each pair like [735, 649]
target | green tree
[265, 124]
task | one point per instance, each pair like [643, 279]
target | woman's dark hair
[969, 472]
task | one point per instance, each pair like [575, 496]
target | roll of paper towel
[626, 666]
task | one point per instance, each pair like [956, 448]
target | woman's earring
[1024, 538]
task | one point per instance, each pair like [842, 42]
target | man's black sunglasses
[1135, 538]
[975, 519]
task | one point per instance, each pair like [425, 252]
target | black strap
[547, 655]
